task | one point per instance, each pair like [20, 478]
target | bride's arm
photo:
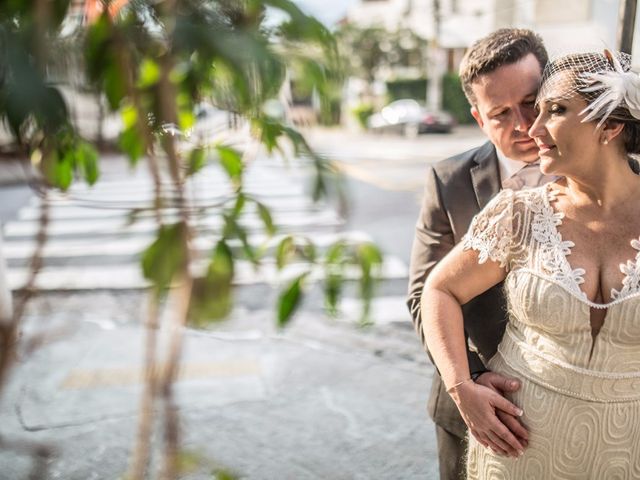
[457, 279]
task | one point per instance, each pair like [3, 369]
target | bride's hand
[478, 406]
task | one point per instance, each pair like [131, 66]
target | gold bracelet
[455, 385]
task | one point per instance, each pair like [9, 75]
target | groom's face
[505, 107]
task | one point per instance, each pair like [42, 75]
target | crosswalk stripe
[92, 243]
[129, 276]
[146, 198]
[67, 247]
[26, 228]
[69, 210]
[384, 309]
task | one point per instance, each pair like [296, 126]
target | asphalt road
[385, 177]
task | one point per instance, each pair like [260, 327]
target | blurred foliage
[454, 100]
[192, 463]
[154, 62]
[331, 104]
[339, 257]
[415, 88]
[368, 51]
[333, 267]
[362, 112]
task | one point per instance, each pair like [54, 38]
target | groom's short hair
[502, 47]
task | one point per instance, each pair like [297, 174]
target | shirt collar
[507, 166]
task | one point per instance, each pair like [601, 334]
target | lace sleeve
[490, 232]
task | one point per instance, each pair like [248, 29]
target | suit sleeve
[432, 241]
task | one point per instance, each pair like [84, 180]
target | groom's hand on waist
[503, 385]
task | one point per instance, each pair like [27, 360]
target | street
[386, 175]
[325, 398]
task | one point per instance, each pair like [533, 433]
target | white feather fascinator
[605, 80]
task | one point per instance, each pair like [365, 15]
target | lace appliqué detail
[490, 231]
[631, 270]
[554, 250]
[491, 246]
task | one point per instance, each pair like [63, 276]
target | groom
[500, 76]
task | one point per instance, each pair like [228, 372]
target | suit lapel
[485, 176]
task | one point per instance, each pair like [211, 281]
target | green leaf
[87, 161]
[369, 258]
[300, 145]
[309, 251]
[164, 258]
[129, 115]
[231, 161]
[319, 187]
[239, 204]
[270, 131]
[149, 73]
[211, 296]
[97, 47]
[289, 299]
[62, 171]
[336, 252]
[197, 160]
[233, 229]
[265, 216]
[186, 119]
[291, 247]
[133, 215]
[335, 259]
[332, 291]
[53, 109]
[131, 144]
[300, 24]
[284, 251]
[114, 85]
[188, 462]
[221, 261]
[225, 475]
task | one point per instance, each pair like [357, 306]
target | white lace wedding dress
[580, 395]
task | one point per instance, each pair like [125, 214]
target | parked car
[409, 118]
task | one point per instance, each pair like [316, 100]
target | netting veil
[604, 80]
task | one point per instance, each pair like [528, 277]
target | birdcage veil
[604, 80]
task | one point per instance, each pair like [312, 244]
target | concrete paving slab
[322, 399]
[102, 378]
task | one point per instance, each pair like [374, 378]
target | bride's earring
[605, 142]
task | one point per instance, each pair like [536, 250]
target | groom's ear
[476, 114]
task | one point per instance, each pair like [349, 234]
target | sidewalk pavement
[323, 399]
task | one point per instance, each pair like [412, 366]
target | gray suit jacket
[456, 189]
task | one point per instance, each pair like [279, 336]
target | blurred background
[296, 358]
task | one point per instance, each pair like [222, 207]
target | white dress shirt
[515, 174]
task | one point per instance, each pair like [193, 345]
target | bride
[569, 253]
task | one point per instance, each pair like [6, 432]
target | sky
[327, 11]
